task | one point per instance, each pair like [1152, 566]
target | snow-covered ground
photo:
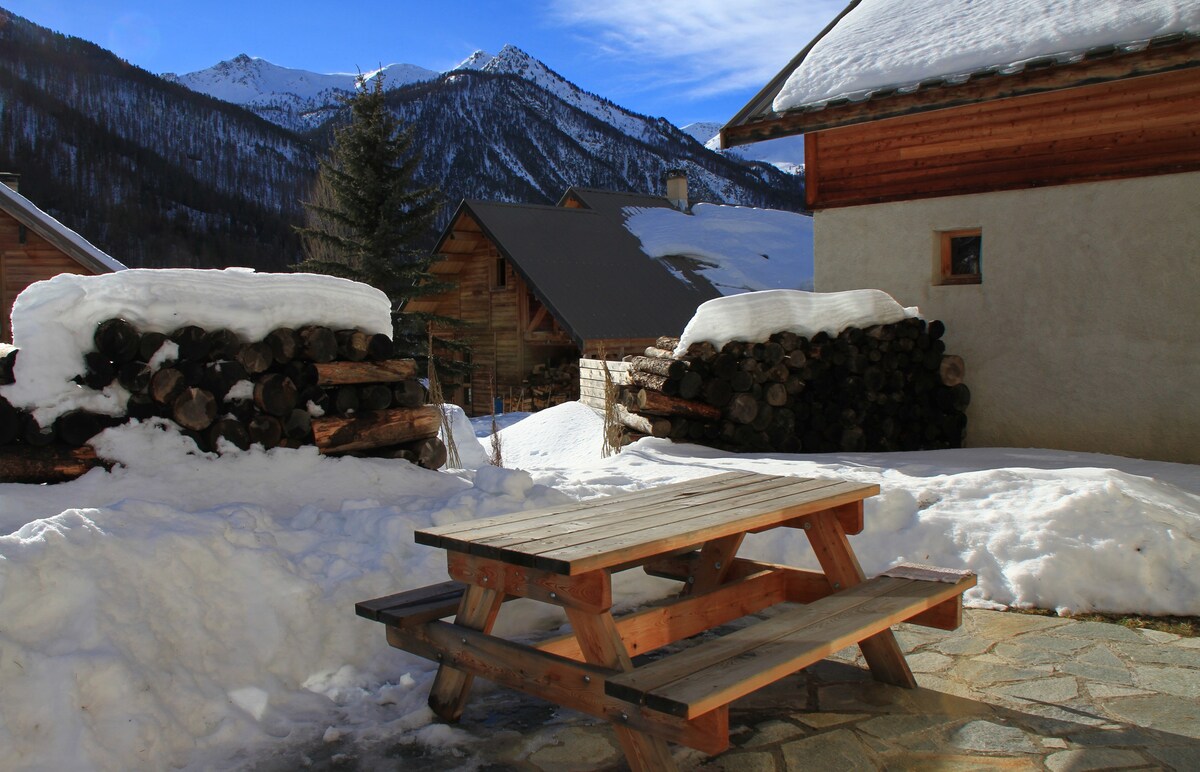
[197, 611]
[193, 611]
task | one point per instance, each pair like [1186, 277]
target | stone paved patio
[1004, 692]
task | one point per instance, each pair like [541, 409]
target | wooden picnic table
[688, 531]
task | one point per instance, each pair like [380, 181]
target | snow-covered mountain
[293, 98]
[785, 153]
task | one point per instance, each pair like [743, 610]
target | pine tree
[368, 217]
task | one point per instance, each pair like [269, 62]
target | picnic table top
[625, 529]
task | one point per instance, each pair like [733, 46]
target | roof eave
[985, 85]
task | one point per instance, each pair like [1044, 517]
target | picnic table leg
[601, 645]
[841, 567]
[715, 558]
[477, 610]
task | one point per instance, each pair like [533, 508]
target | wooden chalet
[544, 285]
[1046, 205]
[35, 246]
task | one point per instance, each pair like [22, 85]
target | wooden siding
[1128, 128]
[22, 264]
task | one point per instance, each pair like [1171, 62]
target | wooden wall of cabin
[25, 257]
[1127, 128]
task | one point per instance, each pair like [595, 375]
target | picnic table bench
[690, 532]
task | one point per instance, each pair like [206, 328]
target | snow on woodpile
[54, 321]
[755, 316]
[736, 248]
[874, 46]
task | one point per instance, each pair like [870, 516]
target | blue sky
[686, 61]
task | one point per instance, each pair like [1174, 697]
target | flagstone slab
[1085, 759]
[839, 749]
[991, 737]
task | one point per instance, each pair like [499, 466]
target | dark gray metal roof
[588, 269]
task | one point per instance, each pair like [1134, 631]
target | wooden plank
[572, 684]
[837, 560]
[629, 547]
[601, 645]
[717, 672]
[713, 563]
[590, 525]
[463, 531]
[800, 586]
[476, 611]
[652, 628]
[411, 607]
[592, 592]
[622, 513]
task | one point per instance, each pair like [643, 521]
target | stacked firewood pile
[340, 390]
[884, 388]
[545, 386]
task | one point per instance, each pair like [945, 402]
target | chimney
[677, 189]
[11, 179]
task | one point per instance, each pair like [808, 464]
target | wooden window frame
[500, 273]
[945, 238]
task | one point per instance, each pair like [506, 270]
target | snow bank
[53, 321]
[874, 47]
[188, 610]
[757, 315]
[737, 249]
[185, 607]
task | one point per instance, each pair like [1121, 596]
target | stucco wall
[1085, 331]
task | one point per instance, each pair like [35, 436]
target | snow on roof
[55, 232]
[54, 321]
[735, 248]
[756, 316]
[888, 44]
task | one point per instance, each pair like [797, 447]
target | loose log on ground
[194, 409]
[656, 403]
[386, 371]
[275, 394]
[48, 464]
[376, 430]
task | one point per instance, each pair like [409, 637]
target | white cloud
[708, 47]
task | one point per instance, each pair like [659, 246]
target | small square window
[961, 256]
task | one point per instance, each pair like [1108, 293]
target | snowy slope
[291, 97]
[784, 153]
